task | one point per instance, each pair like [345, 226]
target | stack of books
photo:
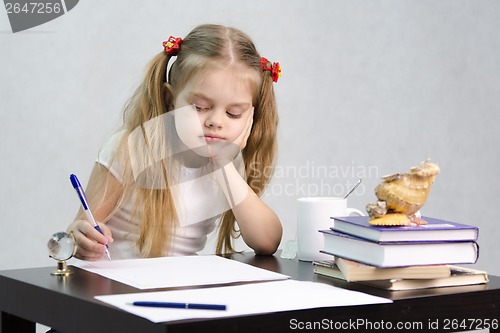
[398, 258]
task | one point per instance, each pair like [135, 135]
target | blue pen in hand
[83, 199]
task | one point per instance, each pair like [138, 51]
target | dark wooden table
[29, 296]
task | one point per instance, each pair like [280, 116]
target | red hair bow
[172, 45]
[275, 69]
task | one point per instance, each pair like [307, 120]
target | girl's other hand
[91, 244]
[241, 141]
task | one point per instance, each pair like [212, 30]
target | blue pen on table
[175, 305]
[83, 199]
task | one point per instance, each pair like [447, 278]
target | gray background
[369, 88]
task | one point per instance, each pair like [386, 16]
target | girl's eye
[233, 115]
[200, 108]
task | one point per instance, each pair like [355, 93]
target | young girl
[196, 142]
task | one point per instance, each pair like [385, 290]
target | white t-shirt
[195, 206]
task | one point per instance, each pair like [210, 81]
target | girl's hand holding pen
[83, 230]
[91, 244]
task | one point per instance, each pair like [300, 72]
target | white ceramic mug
[313, 214]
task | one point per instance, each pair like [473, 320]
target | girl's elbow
[268, 247]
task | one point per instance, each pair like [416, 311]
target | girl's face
[222, 101]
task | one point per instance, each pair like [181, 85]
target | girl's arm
[259, 225]
[103, 192]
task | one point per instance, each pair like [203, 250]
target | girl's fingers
[91, 244]
[88, 249]
[107, 232]
[246, 131]
[90, 232]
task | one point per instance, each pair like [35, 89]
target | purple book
[399, 254]
[435, 230]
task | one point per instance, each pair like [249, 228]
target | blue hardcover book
[398, 254]
[435, 230]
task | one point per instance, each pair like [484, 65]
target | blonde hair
[205, 47]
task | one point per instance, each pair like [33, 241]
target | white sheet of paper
[167, 272]
[253, 298]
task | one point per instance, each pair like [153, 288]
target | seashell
[376, 209]
[392, 220]
[406, 193]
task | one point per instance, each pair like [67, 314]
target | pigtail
[262, 143]
[158, 214]
[154, 207]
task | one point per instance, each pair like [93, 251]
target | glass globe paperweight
[61, 246]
